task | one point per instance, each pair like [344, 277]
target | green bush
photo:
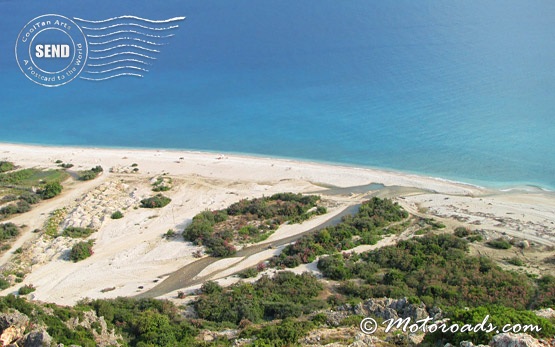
[26, 289]
[6, 166]
[50, 190]
[248, 273]
[499, 244]
[516, 261]
[157, 201]
[76, 232]
[4, 284]
[117, 215]
[30, 198]
[81, 250]
[90, 174]
[8, 231]
[462, 232]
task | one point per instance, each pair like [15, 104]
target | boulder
[37, 338]
[13, 327]
[514, 340]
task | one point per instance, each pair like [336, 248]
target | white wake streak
[124, 46]
[130, 17]
[113, 76]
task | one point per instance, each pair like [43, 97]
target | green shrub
[462, 232]
[81, 250]
[90, 174]
[157, 201]
[8, 231]
[499, 244]
[515, 261]
[248, 273]
[76, 232]
[4, 284]
[6, 166]
[50, 190]
[26, 289]
[117, 215]
[30, 198]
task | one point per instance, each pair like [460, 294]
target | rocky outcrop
[387, 308]
[13, 327]
[516, 340]
[511, 340]
[103, 337]
[36, 338]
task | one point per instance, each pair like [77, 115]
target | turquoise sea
[458, 90]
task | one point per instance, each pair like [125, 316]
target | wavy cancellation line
[123, 53]
[124, 46]
[131, 32]
[118, 68]
[132, 24]
[130, 38]
[175, 19]
[127, 39]
[113, 76]
[119, 61]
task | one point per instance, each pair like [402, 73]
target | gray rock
[37, 338]
[14, 318]
[514, 340]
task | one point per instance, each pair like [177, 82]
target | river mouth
[363, 189]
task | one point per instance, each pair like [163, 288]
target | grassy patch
[499, 244]
[76, 232]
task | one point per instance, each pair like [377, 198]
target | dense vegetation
[91, 174]
[22, 188]
[50, 190]
[365, 227]
[8, 232]
[26, 289]
[248, 221]
[436, 269]
[6, 166]
[283, 296]
[157, 201]
[81, 250]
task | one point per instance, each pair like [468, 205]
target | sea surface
[458, 90]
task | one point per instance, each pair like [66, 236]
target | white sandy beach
[131, 253]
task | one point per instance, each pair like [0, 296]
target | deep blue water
[462, 91]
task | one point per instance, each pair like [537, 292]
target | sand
[132, 256]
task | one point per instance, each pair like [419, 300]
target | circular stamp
[51, 50]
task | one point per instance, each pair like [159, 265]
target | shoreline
[131, 254]
[480, 185]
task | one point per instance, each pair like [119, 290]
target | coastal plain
[133, 258]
